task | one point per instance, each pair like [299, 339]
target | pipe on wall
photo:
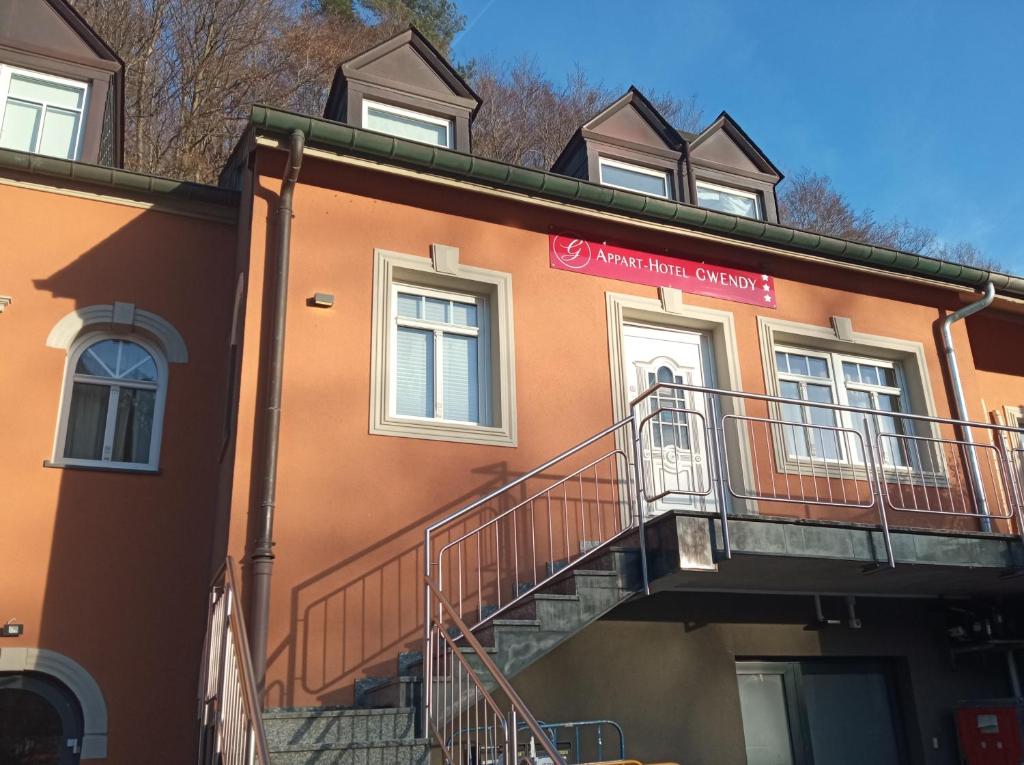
[959, 400]
[261, 559]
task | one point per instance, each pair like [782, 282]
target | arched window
[112, 408]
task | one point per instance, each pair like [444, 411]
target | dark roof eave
[377, 146]
[114, 178]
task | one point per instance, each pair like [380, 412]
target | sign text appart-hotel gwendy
[569, 253]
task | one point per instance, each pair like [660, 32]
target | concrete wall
[111, 569]
[665, 669]
[352, 506]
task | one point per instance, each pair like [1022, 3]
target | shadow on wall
[350, 621]
[347, 621]
[127, 576]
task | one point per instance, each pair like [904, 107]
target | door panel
[825, 712]
[674, 431]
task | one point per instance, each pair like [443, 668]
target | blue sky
[912, 107]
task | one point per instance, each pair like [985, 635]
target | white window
[405, 123]
[443, 351]
[41, 113]
[821, 377]
[729, 200]
[621, 175]
[112, 406]
[834, 378]
[440, 368]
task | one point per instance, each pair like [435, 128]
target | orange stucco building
[740, 523]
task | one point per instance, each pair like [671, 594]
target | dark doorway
[40, 721]
[821, 712]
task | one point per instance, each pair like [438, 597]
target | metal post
[428, 649]
[638, 495]
[873, 465]
[718, 447]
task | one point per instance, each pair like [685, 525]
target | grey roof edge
[115, 179]
[377, 146]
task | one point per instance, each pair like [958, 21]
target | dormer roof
[725, 144]
[632, 123]
[406, 63]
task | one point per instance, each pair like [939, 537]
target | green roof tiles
[117, 180]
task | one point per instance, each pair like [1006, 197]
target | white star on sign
[766, 287]
[764, 277]
[767, 298]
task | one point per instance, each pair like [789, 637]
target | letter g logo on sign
[571, 253]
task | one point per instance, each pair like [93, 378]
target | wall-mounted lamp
[321, 300]
[12, 629]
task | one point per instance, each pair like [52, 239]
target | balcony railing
[705, 451]
[732, 452]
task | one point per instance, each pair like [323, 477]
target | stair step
[394, 752]
[335, 725]
[389, 692]
[555, 596]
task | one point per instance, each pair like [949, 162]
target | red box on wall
[991, 732]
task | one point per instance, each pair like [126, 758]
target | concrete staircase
[344, 736]
[384, 729]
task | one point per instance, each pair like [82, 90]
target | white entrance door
[673, 436]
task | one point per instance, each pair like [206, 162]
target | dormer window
[729, 200]
[405, 123]
[644, 180]
[41, 113]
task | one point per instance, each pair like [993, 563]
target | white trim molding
[840, 338]
[78, 681]
[113, 318]
[5, 300]
[495, 287]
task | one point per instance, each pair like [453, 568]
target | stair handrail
[519, 713]
[230, 718]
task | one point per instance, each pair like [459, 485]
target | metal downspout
[977, 487]
[262, 557]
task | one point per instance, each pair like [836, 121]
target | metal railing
[461, 700]
[716, 449]
[578, 741]
[702, 450]
[229, 714]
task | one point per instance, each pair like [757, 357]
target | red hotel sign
[568, 253]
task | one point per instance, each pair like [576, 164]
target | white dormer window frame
[758, 204]
[8, 72]
[409, 114]
[663, 175]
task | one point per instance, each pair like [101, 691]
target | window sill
[102, 468]
[443, 431]
[858, 472]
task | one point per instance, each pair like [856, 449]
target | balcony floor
[786, 556]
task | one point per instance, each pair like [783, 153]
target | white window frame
[840, 396]
[75, 352]
[663, 175]
[421, 116]
[5, 85]
[758, 204]
[483, 355]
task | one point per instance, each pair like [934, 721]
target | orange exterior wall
[352, 507]
[110, 569]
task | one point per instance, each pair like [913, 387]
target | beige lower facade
[666, 669]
